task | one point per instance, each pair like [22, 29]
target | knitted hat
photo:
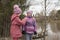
[16, 9]
[15, 6]
[29, 11]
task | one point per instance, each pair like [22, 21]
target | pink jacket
[15, 26]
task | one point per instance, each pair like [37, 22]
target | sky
[37, 6]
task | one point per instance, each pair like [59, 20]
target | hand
[23, 32]
[35, 33]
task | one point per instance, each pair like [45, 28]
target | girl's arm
[21, 21]
[24, 20]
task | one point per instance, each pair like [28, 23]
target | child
[16, 23]
[30, 25]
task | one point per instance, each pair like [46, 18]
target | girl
[16, 23]
[30, 25]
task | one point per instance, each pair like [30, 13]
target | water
[52, 35]
[52, 31]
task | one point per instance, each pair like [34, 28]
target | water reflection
[52, 35]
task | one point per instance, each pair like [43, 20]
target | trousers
[28, 37]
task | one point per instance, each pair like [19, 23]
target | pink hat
[15, 6]
[17, 9]
[29, 11]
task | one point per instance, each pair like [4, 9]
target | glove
[23, 32]
[35, 33]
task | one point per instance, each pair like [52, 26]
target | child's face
[29, 14]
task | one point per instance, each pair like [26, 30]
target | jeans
[28, 36]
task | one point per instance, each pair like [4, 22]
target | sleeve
[35, 24]
[18, 20]
[23, 21]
